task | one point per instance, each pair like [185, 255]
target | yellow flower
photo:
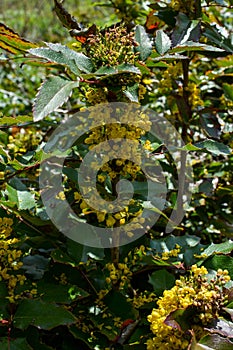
[101, 216]
[110, 221]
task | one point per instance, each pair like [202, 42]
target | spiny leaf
[52, 94]
[162, 42]
[132, 92]
[182, 24]
[12, 42]
[221, 248]
[66, 19]
[161, 280]
[144, 42]
[214, 147]
[41, 314]
[61, 54]
[193, 46]
[23, 199]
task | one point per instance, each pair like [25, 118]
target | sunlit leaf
[214, 147]
[145, 46]
[162, 42]
[77, 62]
[12, 42]
[52, 94]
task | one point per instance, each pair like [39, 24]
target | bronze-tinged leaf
[66, 19]
[12, 42]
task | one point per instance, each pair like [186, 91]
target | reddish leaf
[12, 42]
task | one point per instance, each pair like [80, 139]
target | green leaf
[213, 34]
[229, 311]
[21, 119]
[58, 293]
[210, 124]
[228, 90]
[52, 94]
[169, 57]
[42, 315]
[221, 327]
[35, 265]
[117, 304]
[214, 342]
[59, 256]
[145, 46]
[220, 261]
[161, 280]
[12, 42]
[15, 344]
[214, 147]
[221, 248]
[75, 61]
[162, 42]
[182, 24]
[131, 93]
[122, 68]
[193, 46]
[23, 200]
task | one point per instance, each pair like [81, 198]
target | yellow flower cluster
[173, 253]
[132, 126]
[9, 259]
[95, 96]
[194, 290]
[25, 140]
[142, 298]
[6, 227]
[194, 95]
[119, 274]
[170, 75]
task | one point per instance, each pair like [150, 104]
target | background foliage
[174, 57]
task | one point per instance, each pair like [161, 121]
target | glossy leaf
[193, 46]
[211, 124]
[60, 294]
[161, 280]
[220, 261]
[117, 304]
[214, 342]
[162, 42]
[52, 94]
[131, 93]
[77, 62]
[42, 315]
[35, 265]
[182, 24]
[221, 248]
[23, 200]
[214, 35]
[145, 46]
[214, 147]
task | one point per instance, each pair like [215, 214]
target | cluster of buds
[112, 48]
